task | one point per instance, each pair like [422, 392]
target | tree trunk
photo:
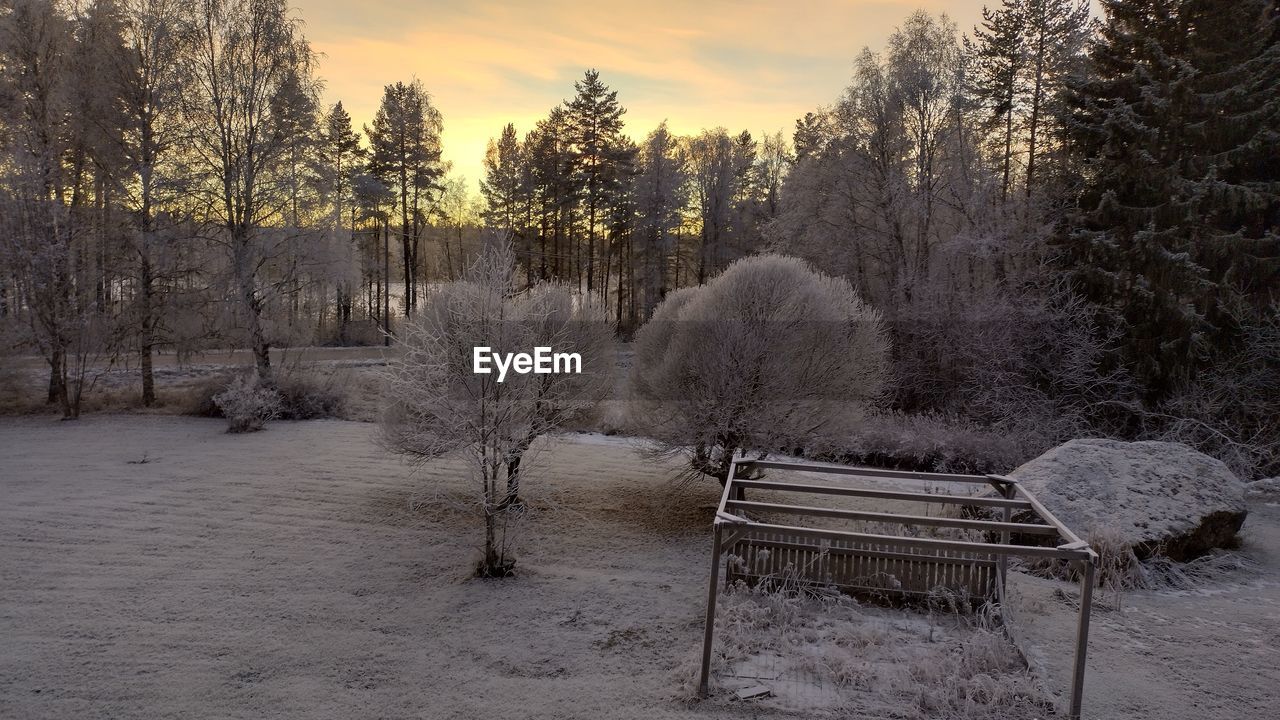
[146, 341]
[1034, 122]
[386, 280]
[55, 377]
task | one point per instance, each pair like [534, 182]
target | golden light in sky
[744, 65]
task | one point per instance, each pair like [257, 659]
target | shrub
[927, 443]
[768, 356]
[310, 396]
[199, 399]
[247, 404]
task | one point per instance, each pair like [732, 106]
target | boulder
[1154, 496]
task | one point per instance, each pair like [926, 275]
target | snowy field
[283, 574]
[156, 567]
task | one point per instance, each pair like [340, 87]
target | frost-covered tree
[1175, 132]
[438, 404]
[249, 68]
[57, 184]
[768, 356]
[662, 192]
[149, 79]
[340, 159]
[721, 168]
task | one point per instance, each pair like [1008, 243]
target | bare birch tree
[246, 58]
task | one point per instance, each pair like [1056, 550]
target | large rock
[1156, 496]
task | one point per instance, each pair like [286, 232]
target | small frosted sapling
[437, 403]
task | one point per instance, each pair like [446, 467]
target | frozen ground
[153, 566]
[1211, 652]
[283, 574]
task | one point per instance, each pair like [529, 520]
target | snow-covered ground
[154, 566]
[1207, 652]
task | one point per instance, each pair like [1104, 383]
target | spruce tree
[1175, 129]
[405, 144]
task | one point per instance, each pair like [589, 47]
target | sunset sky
[744, 65]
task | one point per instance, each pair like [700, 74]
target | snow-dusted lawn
[283, 574]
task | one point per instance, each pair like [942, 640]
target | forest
[1069, 223]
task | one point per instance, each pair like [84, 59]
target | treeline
[1072, 227]
[1068, 223]
[170, 179]
[586, 204]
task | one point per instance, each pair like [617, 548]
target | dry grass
[1120, 570]
[851, 660]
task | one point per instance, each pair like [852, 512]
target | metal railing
[888, 564]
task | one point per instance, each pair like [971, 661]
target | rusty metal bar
[709, 628]
[930, 520]
[975, 501]
[1082, 637]
[867, 472]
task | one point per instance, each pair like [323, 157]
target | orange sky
[744, 65]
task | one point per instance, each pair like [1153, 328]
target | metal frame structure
[814, 546]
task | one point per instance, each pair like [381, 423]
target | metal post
[1082, 637]
[1005, 538]
[709, 629]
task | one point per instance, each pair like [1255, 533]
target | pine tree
[501, 185]
[342, 157]
[661, 195]
[405, 155]
[1056, 31]
[998, 73]
[810, 134]
[552, 189]
[595, 120]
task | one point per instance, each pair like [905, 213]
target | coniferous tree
[501, 185]
[405, 155]
[1177, 212]
[1000, 57]
[549, 152]
[341, 157]
[662, 192]
[594, 118]
[1056, 31]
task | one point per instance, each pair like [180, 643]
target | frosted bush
[247, 404]
[769, 355]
